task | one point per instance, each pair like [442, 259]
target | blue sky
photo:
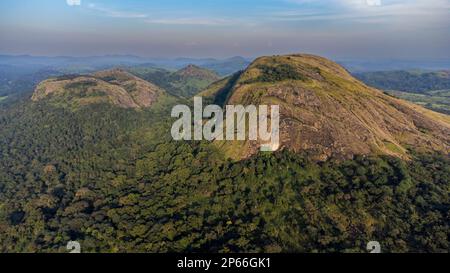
[360, 29]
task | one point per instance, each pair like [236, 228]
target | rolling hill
[116, 86]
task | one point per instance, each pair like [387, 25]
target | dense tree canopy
[114, 181]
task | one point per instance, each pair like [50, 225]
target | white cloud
[73, 2]
[200, 21]
[413, 12]
[116, 13]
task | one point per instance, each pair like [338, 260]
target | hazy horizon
[338, 29]
[175, 57]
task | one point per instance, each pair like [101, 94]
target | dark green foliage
[81, 84]
[280, 72]
[223, 94]
[113, 180]
[69, 77]
[153, 75]
[429, 89]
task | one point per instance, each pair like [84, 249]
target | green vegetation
[407, 81]
[81, 85]
[438, 100]
[187, 87]
[113, 179]
[428, 89]
[275, 73]
[219, 92]
[186, 82]
[69, 77]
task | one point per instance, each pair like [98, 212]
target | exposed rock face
[327, 113]
[115, 86]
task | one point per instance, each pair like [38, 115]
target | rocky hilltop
[327, 113]
[115, 86]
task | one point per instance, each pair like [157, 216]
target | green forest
[407, 81]
[113, 180]
[428, 89]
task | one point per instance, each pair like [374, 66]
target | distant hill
[228, 66]
[116, 87]
[20, 74]
[193, 71]
[374, 65]
[185, 82]
[223, 67]
[327, 113]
